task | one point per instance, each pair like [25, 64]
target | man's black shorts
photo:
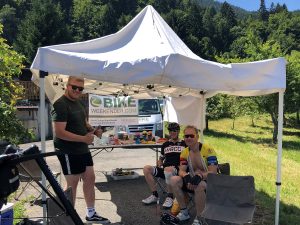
[159, 172]
[75, 164]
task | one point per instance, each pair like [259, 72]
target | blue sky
[253, 5]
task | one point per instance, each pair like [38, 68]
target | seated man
[167, 166]
[196, 161]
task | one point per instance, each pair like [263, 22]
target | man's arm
[62, 133]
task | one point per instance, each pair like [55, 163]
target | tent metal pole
[43, 136]
[279, 155]
[202, 120]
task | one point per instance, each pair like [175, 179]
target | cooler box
[7, 214]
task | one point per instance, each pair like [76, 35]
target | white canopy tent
[147, 59]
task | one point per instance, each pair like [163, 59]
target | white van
[150, 119]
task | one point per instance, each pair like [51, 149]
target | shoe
[168, 202]
[183, 216]
[150, 200]
[97, 219]
[199, 221]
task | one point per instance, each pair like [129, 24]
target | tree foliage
[43, 25]
[11, 129]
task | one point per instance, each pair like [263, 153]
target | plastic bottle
[175, 209]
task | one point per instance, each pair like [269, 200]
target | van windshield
[149, 106]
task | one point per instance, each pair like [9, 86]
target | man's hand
[98, 132]
[187, 179]
[89, 138]
[196, 180]
[159, 163]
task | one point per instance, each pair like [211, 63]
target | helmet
[173, 126]
[168, 219]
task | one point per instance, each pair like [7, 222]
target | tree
[43, 25]
[8, 20]
[11, 129]
[292, 96]
[91, 20]
[263, 12]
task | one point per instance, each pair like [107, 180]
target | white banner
[112, 111]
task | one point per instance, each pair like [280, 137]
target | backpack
[9, 178]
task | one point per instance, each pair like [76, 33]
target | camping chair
[55, 214]
[229, 199]
[30, 173]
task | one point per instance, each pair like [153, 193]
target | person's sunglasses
[189, 135]
[74, 87]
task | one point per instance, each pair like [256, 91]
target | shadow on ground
[127, 196]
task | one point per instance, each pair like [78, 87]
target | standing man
[196, 161]
[167, 166]
[73, 134]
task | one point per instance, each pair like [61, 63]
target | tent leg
[202, 121]
[279, 155]
[43, 136]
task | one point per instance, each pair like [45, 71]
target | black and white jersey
[171, 152]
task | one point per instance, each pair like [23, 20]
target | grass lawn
[250, 151]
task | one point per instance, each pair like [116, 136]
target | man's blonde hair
[191, 127]
[78, 79]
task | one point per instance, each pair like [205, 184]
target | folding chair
[30, 173]
[55, 214]
[229, 199]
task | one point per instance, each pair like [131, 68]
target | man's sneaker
[150, 200]
[168, 202]
[182, 216]
[97, 219]
[199, 221]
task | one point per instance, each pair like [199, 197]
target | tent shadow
[127, 196]
[289, 214]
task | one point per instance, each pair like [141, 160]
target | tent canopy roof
[147, 59]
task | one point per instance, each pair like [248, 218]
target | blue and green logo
[95, 101]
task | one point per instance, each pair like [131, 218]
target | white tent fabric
[176, 111]
[147, 59]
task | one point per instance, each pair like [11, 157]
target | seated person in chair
[167, 166]
[196, 161]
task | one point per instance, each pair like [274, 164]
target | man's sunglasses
[189, 135]
[74, 87]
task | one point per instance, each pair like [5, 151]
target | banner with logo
[112, 111]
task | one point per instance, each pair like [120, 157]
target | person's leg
[88, 179]
[72, 181]
[72, 171]
[148, 173]
[176, 183]
[169, 172]
[200, 197]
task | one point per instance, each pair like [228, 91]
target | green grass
[250, 151]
